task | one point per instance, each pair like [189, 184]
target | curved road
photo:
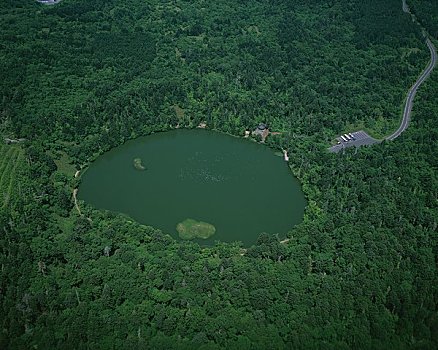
[361, 138]
[411, 94]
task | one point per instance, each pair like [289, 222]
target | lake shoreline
[84, 166]
[205, 173]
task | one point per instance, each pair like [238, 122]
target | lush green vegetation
[83, 76]
[11, 158]
[426, 12]
[190, 229]
[138, 164]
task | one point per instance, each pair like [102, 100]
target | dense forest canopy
[80, 77]
[426, 12]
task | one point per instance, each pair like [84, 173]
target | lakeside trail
[75, 193]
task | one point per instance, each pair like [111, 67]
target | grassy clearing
[5, 155]
[179, 111]
[63, 164]
[11, 160]
[190, 229]
[65, 224]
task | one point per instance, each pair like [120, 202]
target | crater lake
[223, 187]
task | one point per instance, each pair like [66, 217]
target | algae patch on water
[190, 229]
[138, 164]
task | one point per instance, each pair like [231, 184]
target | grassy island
[190, 229]
[138, 164]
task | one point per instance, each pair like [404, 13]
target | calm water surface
[239, 186]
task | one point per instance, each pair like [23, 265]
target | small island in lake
[190, 229]
[138, 164]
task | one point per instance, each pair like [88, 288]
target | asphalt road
[49, 2]
[405, 7]
[411, 94]
[361, 137]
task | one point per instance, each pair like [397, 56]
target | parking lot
[356, 139]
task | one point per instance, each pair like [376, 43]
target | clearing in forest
[11, 158]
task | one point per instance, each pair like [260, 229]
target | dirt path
[8, 140]
[75, 192]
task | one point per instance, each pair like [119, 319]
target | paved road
[361, 137]
[49, 2]
[409, 100]
[405, 7]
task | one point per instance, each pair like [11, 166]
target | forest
[81, 77]
[426, 12]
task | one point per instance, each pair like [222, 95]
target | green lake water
[239, 186]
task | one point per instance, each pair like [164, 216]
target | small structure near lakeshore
[262, 131]
[286, 157]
